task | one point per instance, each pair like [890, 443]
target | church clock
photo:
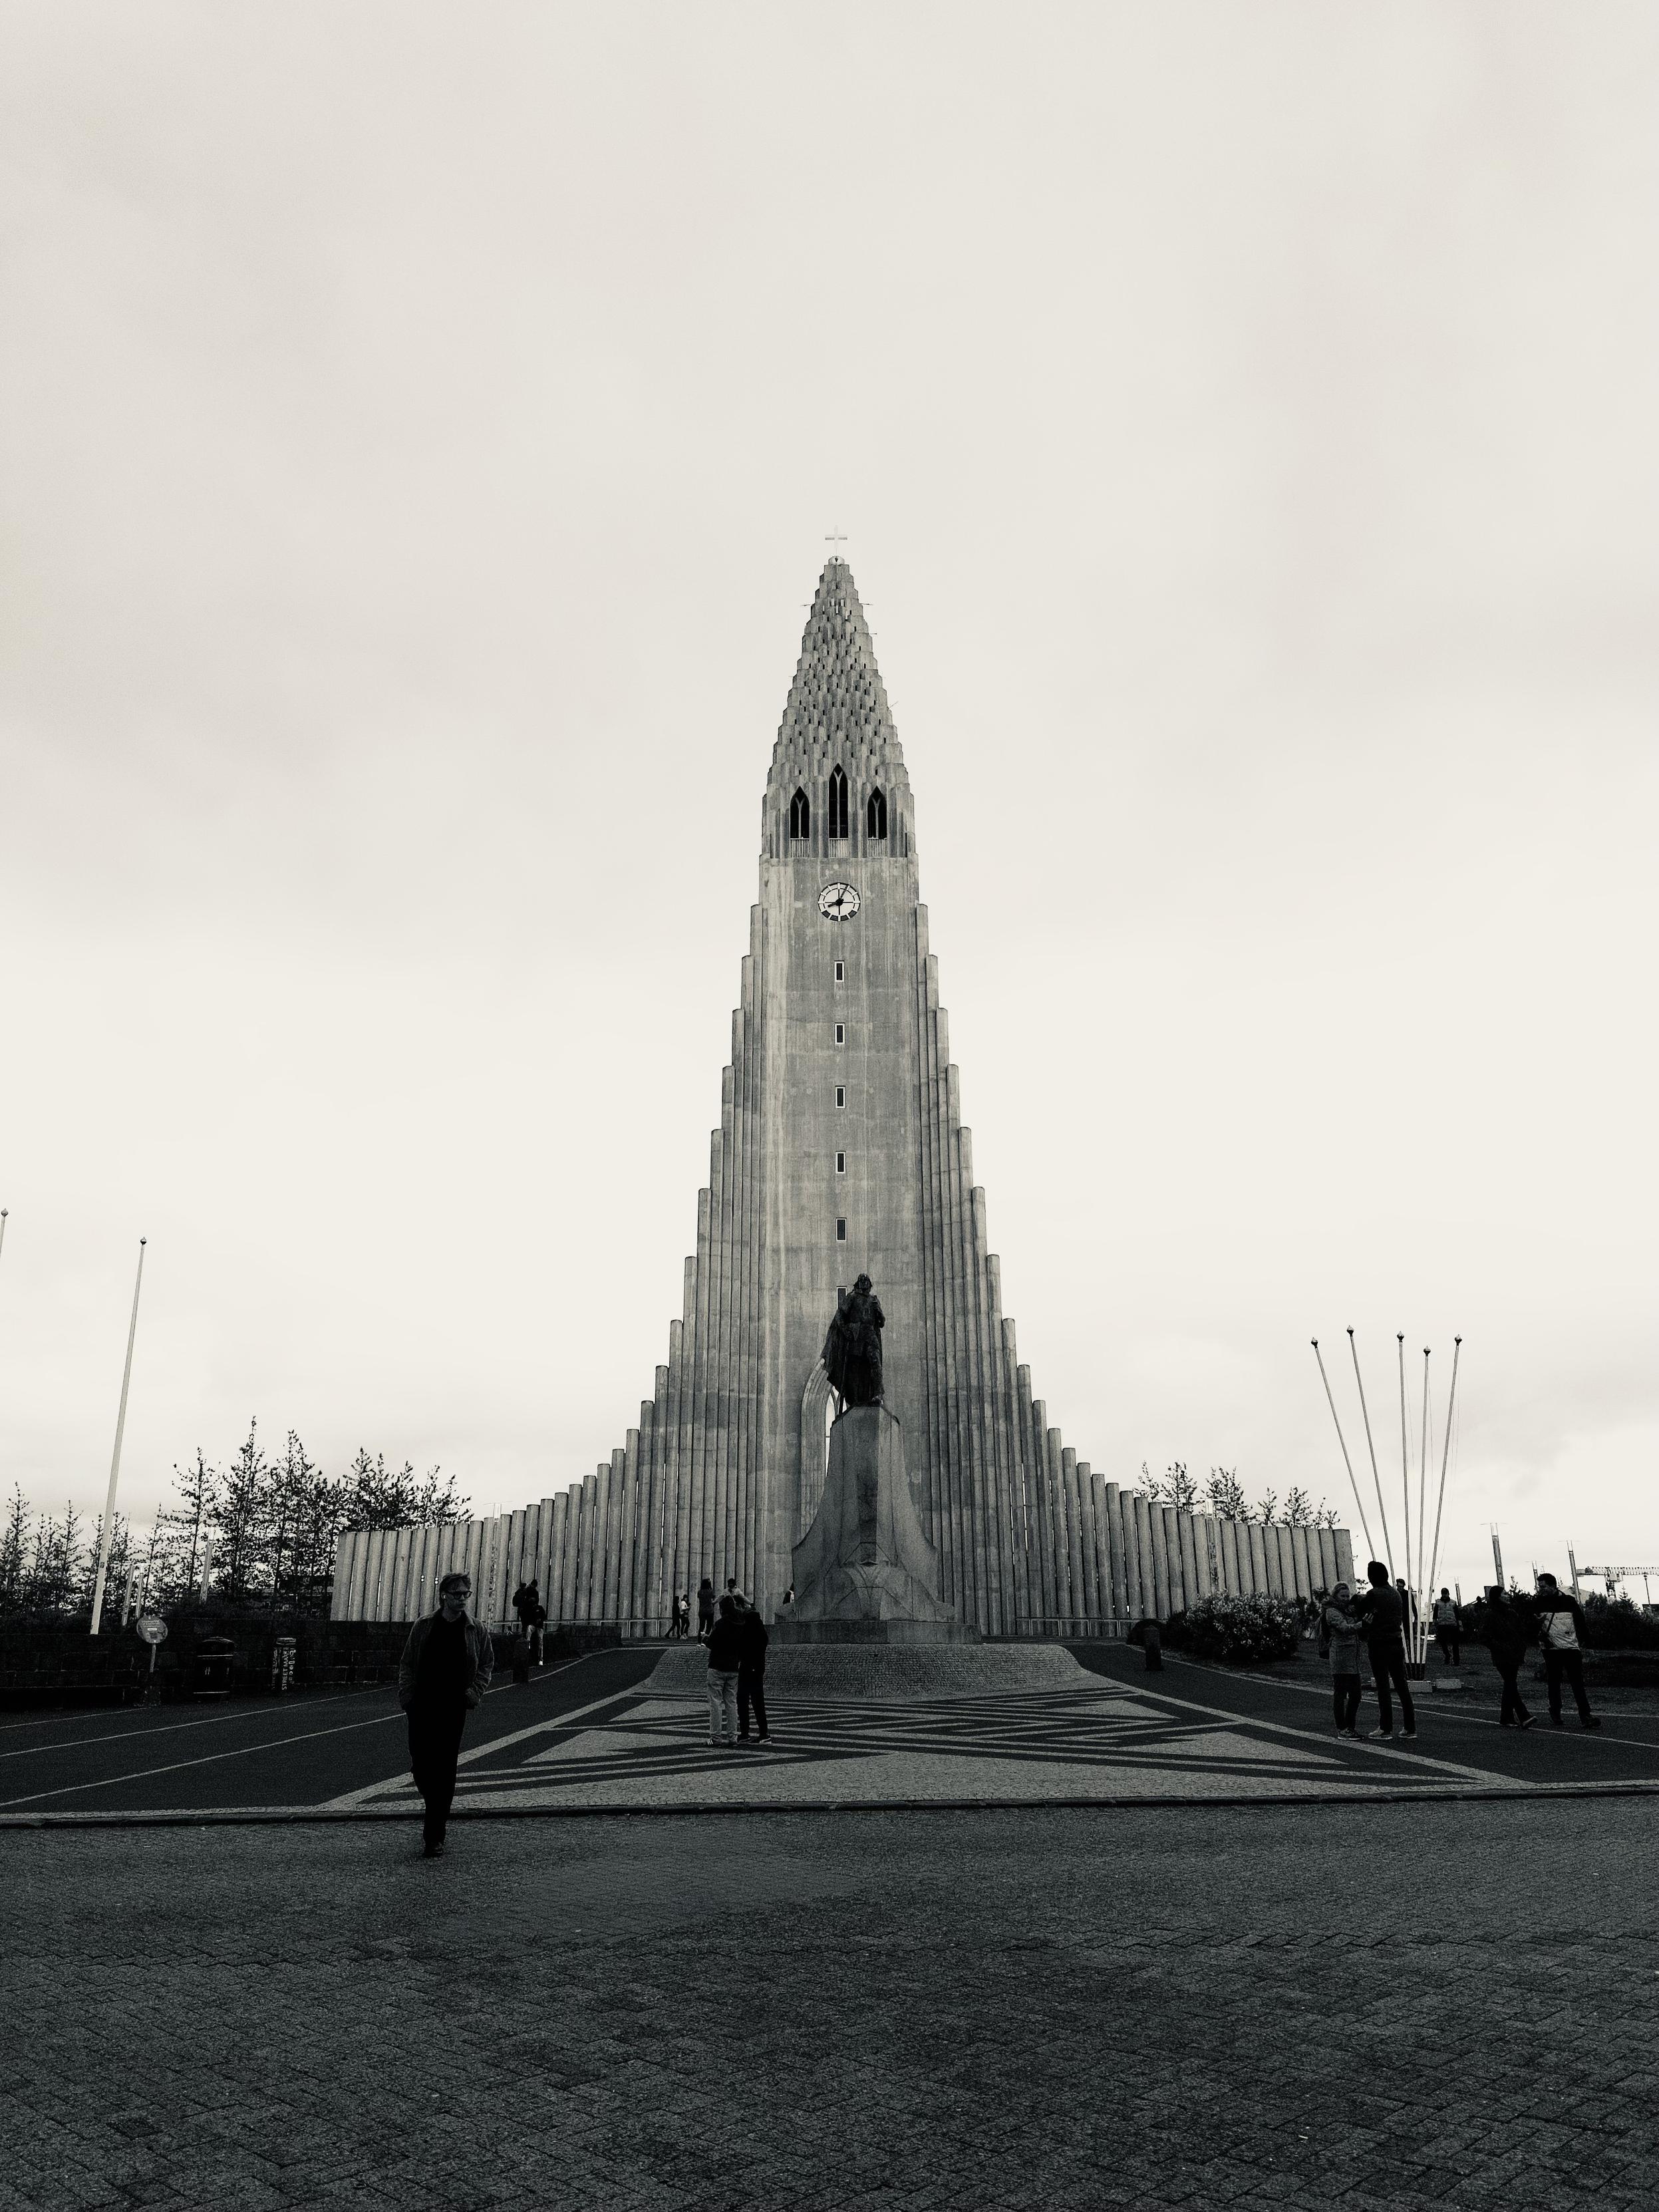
[838, 902]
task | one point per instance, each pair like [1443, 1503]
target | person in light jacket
[1339, 1632]
[444, 1671]
[725, 1659]
[1561, 1637]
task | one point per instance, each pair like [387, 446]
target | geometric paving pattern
[1102, 1741]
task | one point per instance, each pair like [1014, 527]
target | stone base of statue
[865, 1571]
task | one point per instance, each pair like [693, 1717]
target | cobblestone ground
[1396, 2006]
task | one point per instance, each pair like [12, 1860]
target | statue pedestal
[865, 1571]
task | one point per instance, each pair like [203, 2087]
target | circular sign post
[154, 1630]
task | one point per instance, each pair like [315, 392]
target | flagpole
[108, 1537]
[1382, 1511]
[1451, 1404]
[1422, 1487]
[1342, 1440]
[1405, 1475]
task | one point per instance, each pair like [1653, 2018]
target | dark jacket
[725, 1645]
[482, 1652]
[1508, 1633]
[752, 1664]
[1383, 1616]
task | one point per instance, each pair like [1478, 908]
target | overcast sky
[421, 427]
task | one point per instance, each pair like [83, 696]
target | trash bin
[283, 1652]
[215, 1657]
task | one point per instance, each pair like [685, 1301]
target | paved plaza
[1145, 1941]
[1377, 2005]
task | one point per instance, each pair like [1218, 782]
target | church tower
[841, 1150]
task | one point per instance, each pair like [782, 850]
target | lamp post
[108, 1537]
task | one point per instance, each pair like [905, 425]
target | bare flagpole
[1347, 1462]
[1405, 1479]
[1451, 1404]
[1388, 1541]
[1422, 1486]
[108, 1537]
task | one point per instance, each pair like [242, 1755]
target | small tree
[13, 1551]
[374, 1498]
[1175, 1487]
[242, 1519]
[1298, 1509]
[1270, 1505]
[1223, 1493]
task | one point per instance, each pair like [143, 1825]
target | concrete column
[1299, 1562]
[1167, 1526]
[677, 1496]
[1256, 1535]
[1075, 1559]
[1149, 1578]
[1191, 1585]
[1089, 1537]
[581, 1517]
[558, 1573]
[1111, 1523]
[1344, 1555]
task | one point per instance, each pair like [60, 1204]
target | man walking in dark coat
[1562, 1637]
[752, 1675]
[445, 1670]
[1384, 1616]
[1508, 1633]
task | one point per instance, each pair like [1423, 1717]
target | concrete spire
[837, 716]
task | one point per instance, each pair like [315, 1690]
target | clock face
[838, 902]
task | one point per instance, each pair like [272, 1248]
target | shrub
[1242, 1631]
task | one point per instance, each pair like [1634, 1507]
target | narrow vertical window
[875, 815]
[800, 816]
[841, 971]
[840, 1232]
[840, 1162]
[840, 1094]
[841, 1033]
[837, 803]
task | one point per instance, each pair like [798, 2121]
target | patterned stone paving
[1099, 1741]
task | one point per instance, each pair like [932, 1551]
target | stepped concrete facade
[840, 1149]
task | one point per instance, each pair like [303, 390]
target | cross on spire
[834, 540]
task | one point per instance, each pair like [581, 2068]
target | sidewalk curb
[291, 1816]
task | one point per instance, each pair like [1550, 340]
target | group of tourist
[1379, 1616]
[736, 1638]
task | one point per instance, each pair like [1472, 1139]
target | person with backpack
[1562, 1639]
[705, 1610]
[1339, 1642]
[1508, 1632]
[725, 1645]
[751, 1676]
[1382, 1619]
[1449, 1629]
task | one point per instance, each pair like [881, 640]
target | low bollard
[1153, 1640]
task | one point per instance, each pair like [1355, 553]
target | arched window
[837, 803]
[800, 816]
[875, 815]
